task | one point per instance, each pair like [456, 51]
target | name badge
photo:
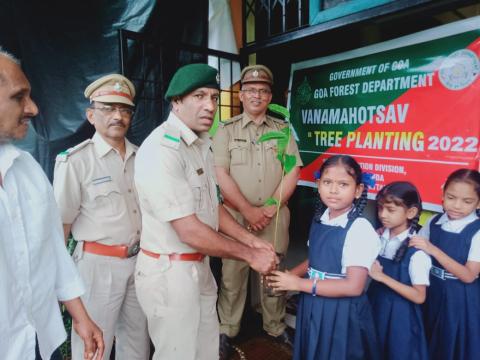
[101, 180]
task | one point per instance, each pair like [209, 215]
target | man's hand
[269, 211]
[263, 260]
[256, 218]
[258, 243]
[92, 337]
[85, 328]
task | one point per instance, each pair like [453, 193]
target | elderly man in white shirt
[35, 269]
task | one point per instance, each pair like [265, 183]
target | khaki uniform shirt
[175, 178]
[95, 192]
[254, 166]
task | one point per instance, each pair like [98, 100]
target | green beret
[191, 77]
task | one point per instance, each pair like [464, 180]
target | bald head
[6, 57]
[16, 106]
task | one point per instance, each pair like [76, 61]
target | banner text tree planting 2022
[407, 109]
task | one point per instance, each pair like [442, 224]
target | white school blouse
[362, 244]
[420, 262]
[456, 226]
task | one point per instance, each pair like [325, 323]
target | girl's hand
[422, 243]
[282, 281]
[376, 271]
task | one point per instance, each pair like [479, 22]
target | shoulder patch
[64, 155]
[232, 120]
[171, 137]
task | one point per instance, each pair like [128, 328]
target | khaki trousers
[179, 300]
[233, 287]
[111, 302]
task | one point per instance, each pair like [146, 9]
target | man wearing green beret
[182, 218]
[249, 173]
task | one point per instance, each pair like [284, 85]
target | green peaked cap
[191, 77]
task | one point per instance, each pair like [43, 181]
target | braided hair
[405, 194]
[468, 176]
[355, 171]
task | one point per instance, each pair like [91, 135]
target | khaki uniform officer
[178, 196]
[94, 188]
[249, 173]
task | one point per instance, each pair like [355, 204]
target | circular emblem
[217, 78]
[459, 69]
[255, 73]
[117, 86]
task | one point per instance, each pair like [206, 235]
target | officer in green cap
[181, 213]
[249, 173]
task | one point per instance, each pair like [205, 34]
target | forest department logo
[304, 92]
[459, 69]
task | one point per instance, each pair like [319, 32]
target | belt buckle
[440, 273]
[133, 250]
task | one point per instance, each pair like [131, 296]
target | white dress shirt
[420, 263]
[362, 244]
[36, 270]
[456, 226]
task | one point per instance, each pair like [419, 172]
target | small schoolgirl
[401, 276]
[334, 318]
[452, 311]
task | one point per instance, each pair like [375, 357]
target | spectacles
[110, 110]
[261, 92]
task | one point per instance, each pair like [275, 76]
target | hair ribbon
[368, 179]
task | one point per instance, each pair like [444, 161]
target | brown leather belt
[177, 257]
[121, 251]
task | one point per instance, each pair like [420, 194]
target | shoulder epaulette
[170, 137]
[64, 155]
[232, 120]
[277, 120]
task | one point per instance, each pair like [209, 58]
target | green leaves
[290, 162]
[271, 201]
[272, 135]
[283, 137]
[280, 110]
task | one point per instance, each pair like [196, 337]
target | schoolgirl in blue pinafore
[400, 276]
[453, 307]
[452, 239]
[334, 318]
[399, 322]
[332, 328]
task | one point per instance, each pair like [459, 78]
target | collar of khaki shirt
[186, 133]
[246, 119]
[103, 148]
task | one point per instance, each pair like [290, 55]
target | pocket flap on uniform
[102, 189]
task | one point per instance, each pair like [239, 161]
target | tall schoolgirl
[401, 276]
[334, 318]
[452, 312]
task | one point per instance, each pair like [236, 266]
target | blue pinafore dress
[452, 309]
[399, 321]
[333, 328]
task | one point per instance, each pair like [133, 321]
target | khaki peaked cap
[256, 74]
[191, 77]
[112, 88]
